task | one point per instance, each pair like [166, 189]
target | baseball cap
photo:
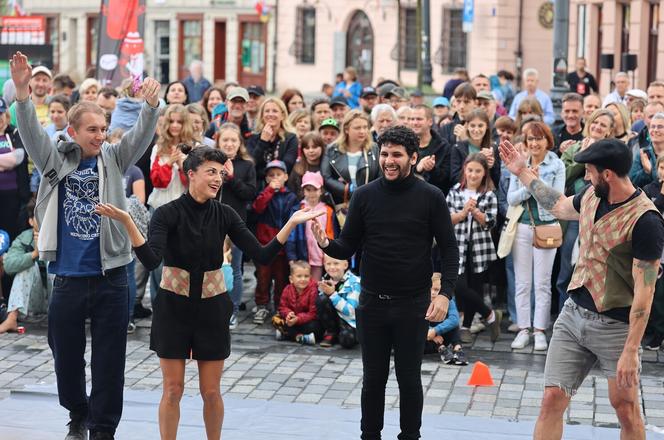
[313, 179]
[238, 92]
[338, 100]
[3, 106]
[42, 69]
[441, 101]
[276, 164]
[368, 91]
[385, 89]
[637, 93]
[610, 154]
[329, 122]
[416, 93]
[256, 90]
[399, 92]
[486, 95]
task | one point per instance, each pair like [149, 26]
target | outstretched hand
[514, 161]
[21, 73]
[112, 212]
[319, 234]
[304, 215]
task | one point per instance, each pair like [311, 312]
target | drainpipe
[276, 45]
[519, 48]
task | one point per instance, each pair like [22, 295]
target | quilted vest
[605, 251]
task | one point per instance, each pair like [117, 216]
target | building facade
[304, 43]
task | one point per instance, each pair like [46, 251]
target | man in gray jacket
[87, 253]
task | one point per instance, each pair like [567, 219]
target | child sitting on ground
[29, 293]
[443, 337]
[336, 304]
[296, 320]
[301, 243]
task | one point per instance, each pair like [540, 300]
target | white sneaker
[522, 339]
[232, 324]
[540, 341]
[278, 335]
[261, 315]
[477, 328]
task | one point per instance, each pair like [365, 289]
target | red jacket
[161, 174]
[302, 304]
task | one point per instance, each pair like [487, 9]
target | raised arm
[549, 198]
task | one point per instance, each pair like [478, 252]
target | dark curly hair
[400, 135]
[196, 156]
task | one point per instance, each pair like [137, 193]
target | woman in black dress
[192, 310]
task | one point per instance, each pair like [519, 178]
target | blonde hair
[593, 117]
[298, 115]
[165, 141]
[87, 83]
[342, 140]
[242, 152]
[197, 109]
[624, 115]
[299, 264]
[285, 124]
[75, 113]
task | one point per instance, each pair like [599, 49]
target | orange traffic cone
[481, 376]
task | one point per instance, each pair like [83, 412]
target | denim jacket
[551, 172]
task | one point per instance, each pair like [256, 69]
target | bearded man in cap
[621, 236]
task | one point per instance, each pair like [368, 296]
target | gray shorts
[582, 338]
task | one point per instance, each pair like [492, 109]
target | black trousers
[383, 325]
[333, 324]
[468, 296]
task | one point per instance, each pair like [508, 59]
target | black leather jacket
[334, 168]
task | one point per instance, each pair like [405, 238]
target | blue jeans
[236, 264]
[104, 300]
[566, 268]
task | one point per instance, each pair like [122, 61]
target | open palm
[20, 70]
[513, 160]
[304, 215]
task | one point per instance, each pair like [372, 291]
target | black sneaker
[141, 312]
[446, 354]
[654, 343]
[77, 430]
[460, 357]
[101, 435]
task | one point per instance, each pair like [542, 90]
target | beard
[601, 189]
[403, 172]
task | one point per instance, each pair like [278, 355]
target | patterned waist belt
[178, 281]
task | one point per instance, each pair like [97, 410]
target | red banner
[121, 46]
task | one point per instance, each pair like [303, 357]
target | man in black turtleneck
[396, 218]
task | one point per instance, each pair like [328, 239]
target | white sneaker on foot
[522, 339]
[540, 341]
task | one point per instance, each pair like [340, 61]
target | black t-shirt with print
[647, 245]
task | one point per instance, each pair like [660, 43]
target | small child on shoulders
[336, 304]
[296, 319]
[301, 243]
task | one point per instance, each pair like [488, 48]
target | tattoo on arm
[544, 194]
[640, 314]
[650, 270]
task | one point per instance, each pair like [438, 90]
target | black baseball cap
[367, 91]
[610, 154]
[338, 100]
[256, 90]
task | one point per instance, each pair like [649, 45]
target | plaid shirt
[484, 251]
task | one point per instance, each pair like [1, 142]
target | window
[408, 31]
[92, 41]
[162, 51]
[305, 36]
[191, 43]
[452, 53]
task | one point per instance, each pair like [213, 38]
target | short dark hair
[572, 97]
[107, 92]
[318, 102]
[30, 208]
[509, 76]
[400, 135]
[196, 156]
[465, 90]
[63, 80]
[62, 100]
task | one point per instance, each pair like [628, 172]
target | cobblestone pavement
[262, 368]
